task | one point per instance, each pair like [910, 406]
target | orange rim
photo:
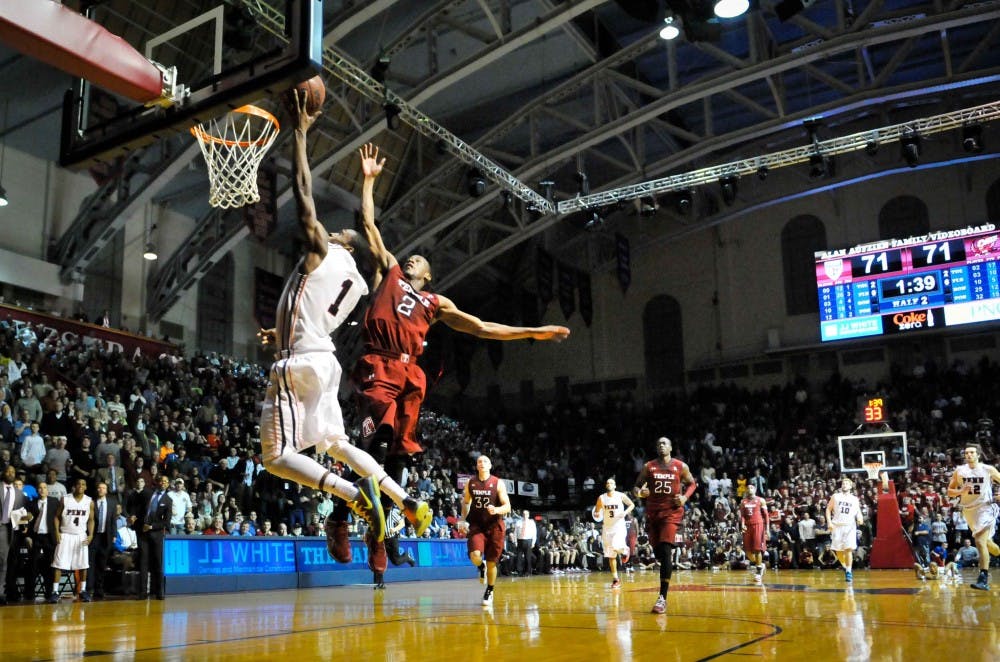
[198, 132]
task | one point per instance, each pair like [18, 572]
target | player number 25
[662, 487]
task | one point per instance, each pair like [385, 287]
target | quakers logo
[367, 427]
[985, 245]
[833, 269]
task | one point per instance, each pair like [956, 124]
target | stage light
[547, 186]
[819, 166]
[595, 223]
[972, 138]
[731, 8]
[729, 186]
[910, 147]
[685, 200]
[762, 172]
[391, 115]
[871, 147]
[380, 68]
[647, 206]
[670, 30]
[583, 184]
[149, 252]
[475, 183]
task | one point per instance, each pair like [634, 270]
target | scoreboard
[942, 279]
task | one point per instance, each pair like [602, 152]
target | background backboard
[858, 448]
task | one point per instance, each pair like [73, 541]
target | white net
[872, 469]
[233, 146]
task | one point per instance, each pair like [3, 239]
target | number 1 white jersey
[846, 509]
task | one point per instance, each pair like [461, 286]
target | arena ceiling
[545, 89]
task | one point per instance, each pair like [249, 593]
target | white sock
[365, 465]
[307, 471]
[55, 587]
[83, 586]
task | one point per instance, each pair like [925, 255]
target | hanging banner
[586, 302]
[543, 275]
[624, 261]
[567, 285]
[527, 489]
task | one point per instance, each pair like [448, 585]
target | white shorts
[843, 537]
[71, 553]
[614, 542]
[981, 517]
[301, 409]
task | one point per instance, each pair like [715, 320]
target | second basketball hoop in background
[234, 146]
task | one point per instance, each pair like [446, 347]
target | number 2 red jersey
[399, 316]
[664, 485]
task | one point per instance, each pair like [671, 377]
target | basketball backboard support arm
[265, 75]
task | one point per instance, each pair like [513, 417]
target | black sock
[664, 587]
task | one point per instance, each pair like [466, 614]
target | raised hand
[267, 337]
[551, 332]
[305, 118]
[370, 164]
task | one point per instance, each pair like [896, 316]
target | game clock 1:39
[926, 283]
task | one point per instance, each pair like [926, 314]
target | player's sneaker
[419, 514]
[379, 581]
[758, 577]
[482, 573]
[338, 541]
[661, 606]
[848, 576]
[616, 583]
[378, 560]
[53, 598]
[760, 570]
[983, 583]
[488, 597]
[993, 548]
[85, 597]
[368, 506]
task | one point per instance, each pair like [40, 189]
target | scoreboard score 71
[873, 410]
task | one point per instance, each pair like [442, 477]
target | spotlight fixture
[731, 8]
[595, 223]
[728, 184]
[647, 206]
[380, 68]
[972, 138]
[149, 252]
[392, 112]
[583, 184]
[910, 147]
[547, 185]
[506, 198]
[670, 30]
[812, 129]
[763, 172]
[819, 166]
[871, 147]
[475, 183]
[685, 200]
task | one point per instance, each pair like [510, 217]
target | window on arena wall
[215, 308]
[800, 238]
[903, 216]
[663, 343]
[993, 202]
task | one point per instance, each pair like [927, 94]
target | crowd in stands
[72, 409]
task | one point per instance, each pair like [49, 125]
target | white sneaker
[488, 598]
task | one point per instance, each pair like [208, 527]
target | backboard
[225, 55]
[857, 449]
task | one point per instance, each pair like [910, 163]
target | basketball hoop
[872, 468]
[233, 146]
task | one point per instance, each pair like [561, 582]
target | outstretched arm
[371, 167]
[449, 313]
[315, 233]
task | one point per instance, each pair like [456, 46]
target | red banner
[50, 327]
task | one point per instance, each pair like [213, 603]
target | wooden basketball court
[797, 615]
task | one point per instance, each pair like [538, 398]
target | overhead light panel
[392, 112]
[972, 138]
[670, 30]
[910, 147]
[476, 183]
[731, 8]
[729, 185]
[149, 252]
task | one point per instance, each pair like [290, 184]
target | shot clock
[873, 410]
[937, 280]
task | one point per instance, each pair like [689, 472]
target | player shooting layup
[613, 506]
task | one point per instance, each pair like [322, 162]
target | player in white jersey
[972, 483]
[74, 529]
[301, 409]
[611, 508]
[843, 512]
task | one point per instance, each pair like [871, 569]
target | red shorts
[755, 538]
[664, 526]
[390, 392]
[488, 541]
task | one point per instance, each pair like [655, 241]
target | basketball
[315, 95]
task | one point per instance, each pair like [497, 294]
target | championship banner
[527, 489]
[266, 292]
[543, 275]
[624, 261]
[567, 285]
[509, 484]
[586, 300]
[50, 328]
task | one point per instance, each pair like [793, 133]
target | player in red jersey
[753, 510]
[660, 483]
[484, 504]
[390, 384]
